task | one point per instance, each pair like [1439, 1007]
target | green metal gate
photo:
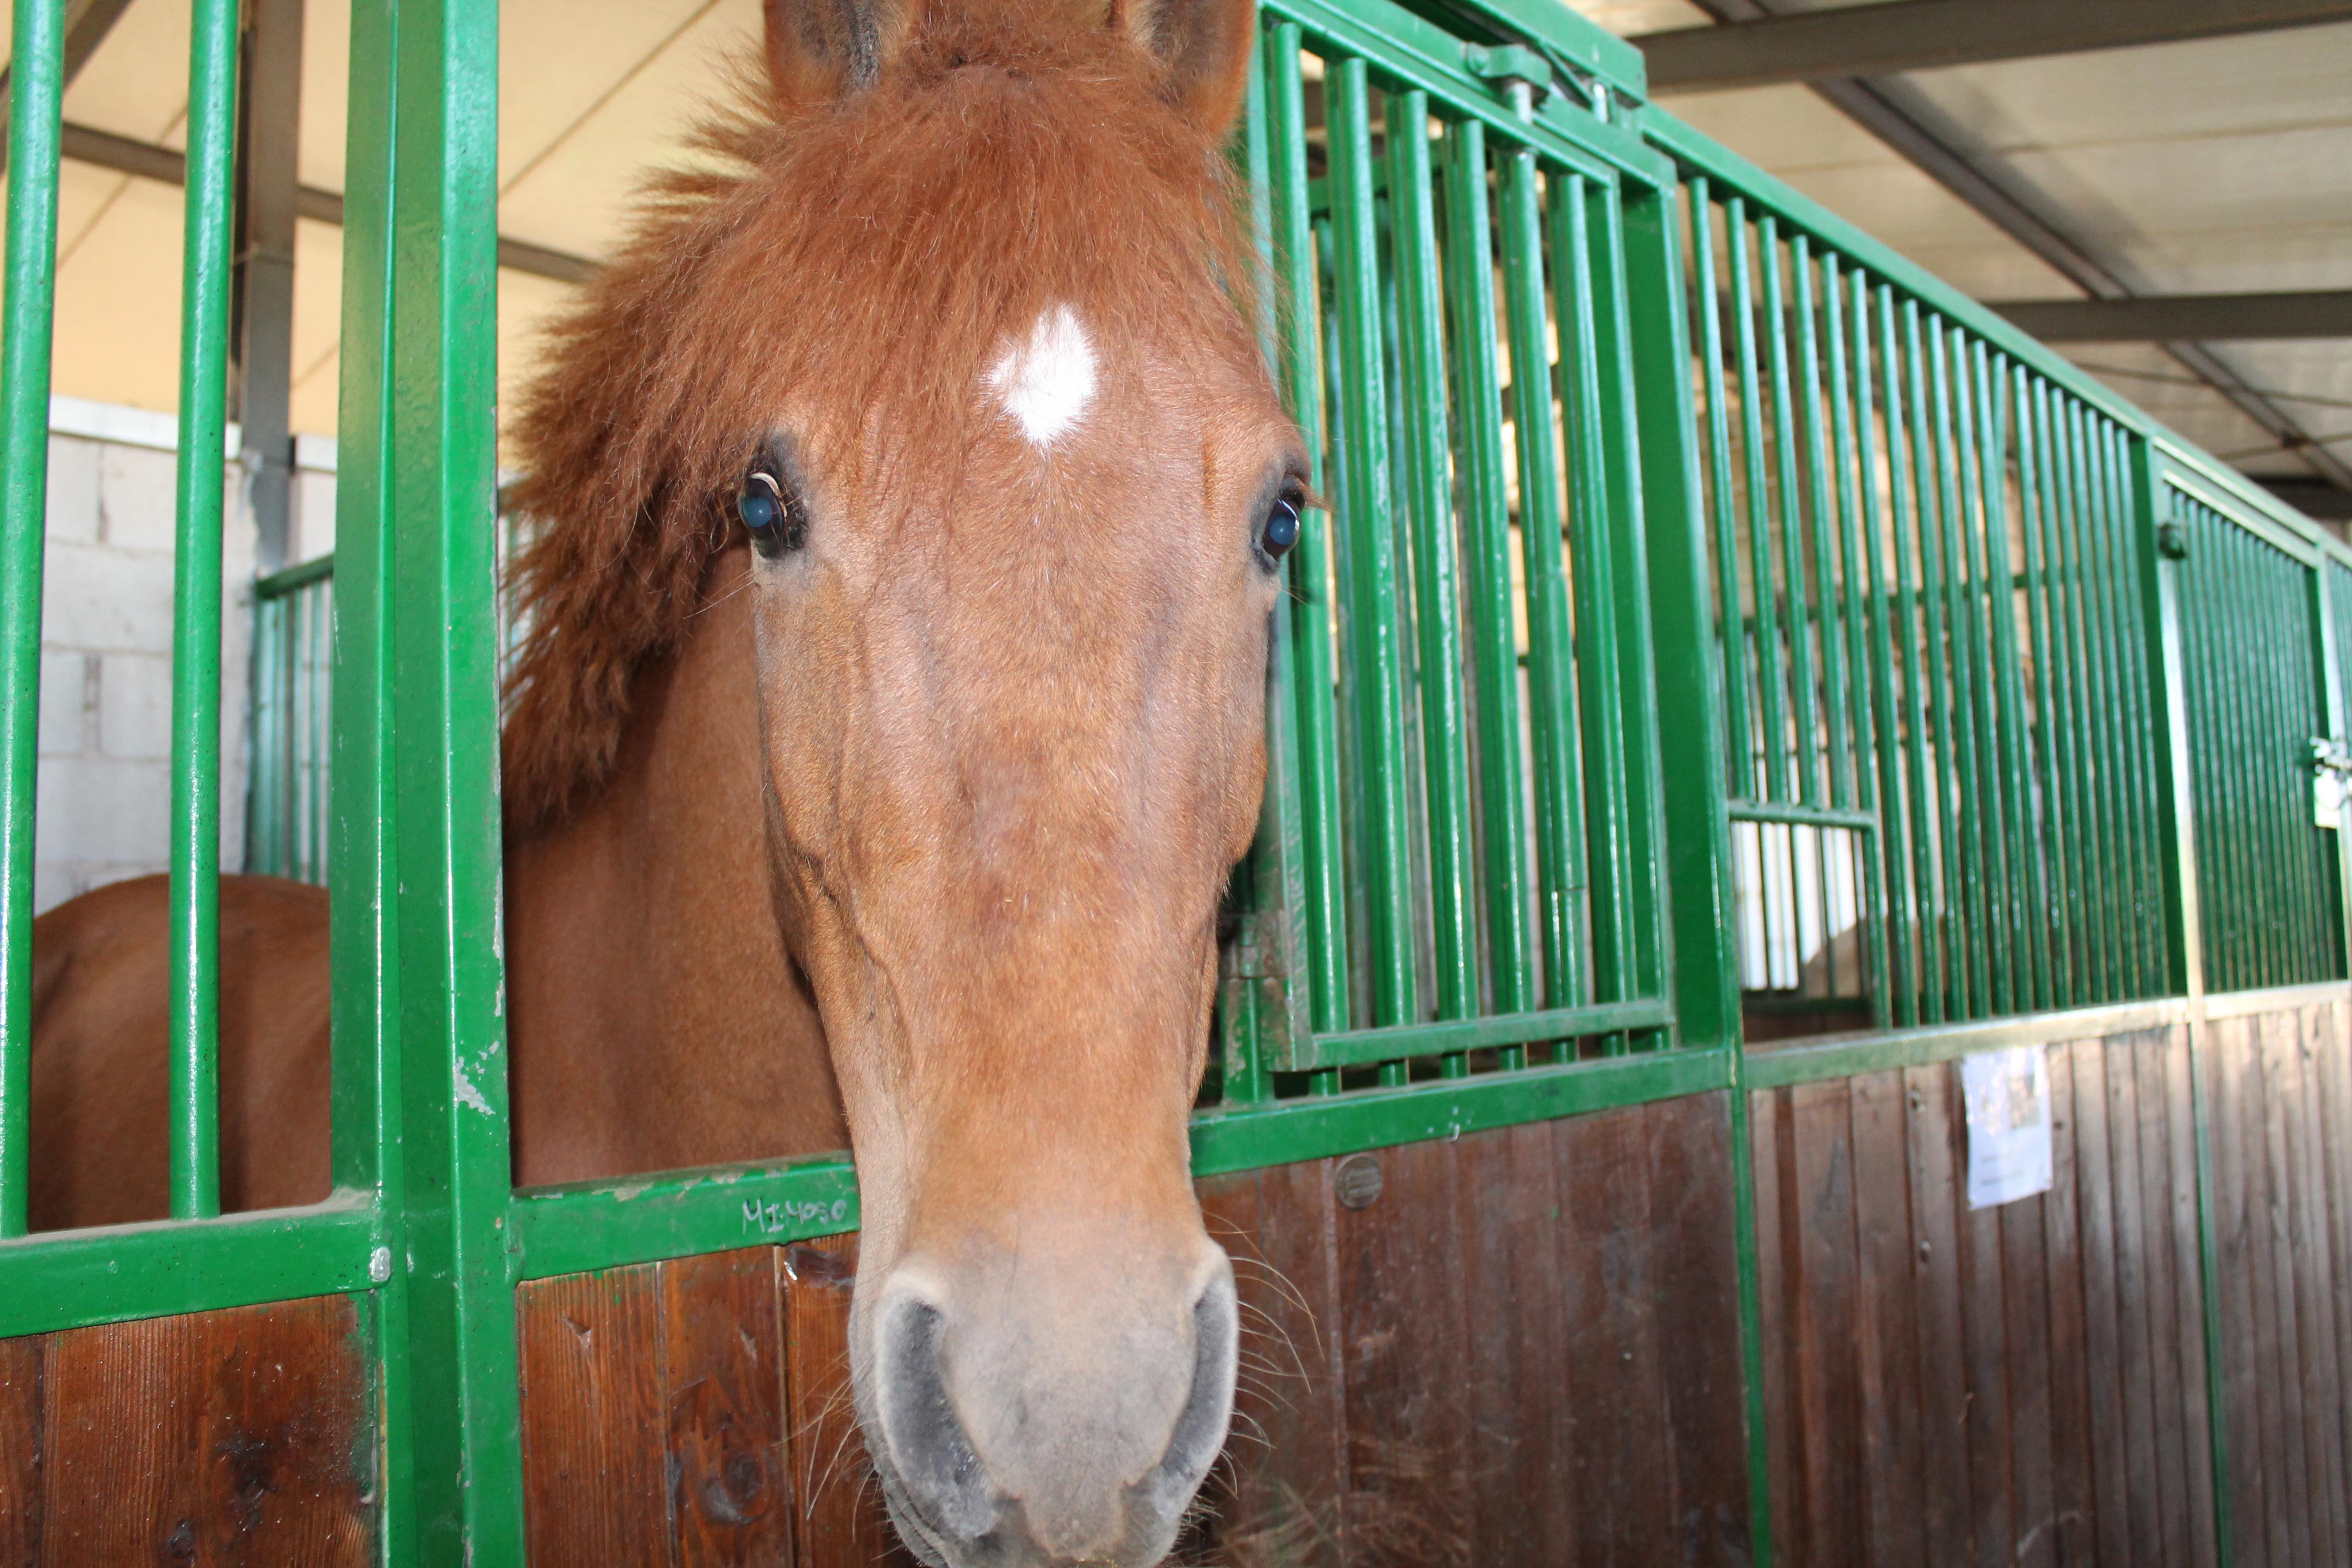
[1676, 527]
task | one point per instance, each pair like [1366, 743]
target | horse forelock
[867, 261]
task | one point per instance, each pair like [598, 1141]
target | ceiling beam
[2175, 318]
[1903, 118]
[87, 24]
[145, 160]
[2313, 497]
[1921, 35]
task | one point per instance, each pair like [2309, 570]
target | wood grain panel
[2019, 1385]
[722, 1353]
[842, 1523]
[233, 1437]
[595, 1480]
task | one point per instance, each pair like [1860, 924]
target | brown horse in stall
[908, 500]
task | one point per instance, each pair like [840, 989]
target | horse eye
[1279, 530]
[774, 518]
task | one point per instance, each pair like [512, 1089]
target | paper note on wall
[2008, 1097]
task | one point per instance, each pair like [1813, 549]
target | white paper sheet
[2007, 1096]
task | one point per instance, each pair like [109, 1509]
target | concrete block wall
[105, 781]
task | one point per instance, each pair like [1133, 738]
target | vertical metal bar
[1961, 737]
[1486, 565]
[196, 613]
[2099, 679]
[2098, 889]
[2123, 717]
[1372, 609]
[1808, 757]
[1927, 830]
[1619, 344]
[1599, 672]
[1552, 674]
[2138, 684]
[1731, 620]
[1953, 800]
[1445, 762]
[2030, 987]
[1886, 901]
[1973, 514]
[2049, 726]
[2059, 594]
[1314, 681]
[1759, 529]
[36, 71]
[1839, 757]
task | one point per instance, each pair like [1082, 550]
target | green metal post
[196, 611]
[36, 71]
[1705, 973]
[1927, 828]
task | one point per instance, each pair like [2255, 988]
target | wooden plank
[1943, 1364]
[595, 1433]
[1822, 1322]
[2230, 1073]
[1777, 1278]
[1885, 1345]
[20, 1450]
[2025, 1333]
[1408, 1441]
[2188, 1274]
[730, 1495]
[841, 1521]
[1288, 1490]
[2333, 1145]
[2095, 1218]
[2131, 1300]
[1983, 1288]
[1623, 1460]
[232, 1437]
[2274, 1037]
[123, 1416]
[2071, 1492]
[2313, 1266]
[1521, 1385]
[2152, 1090]
[1696, 1345]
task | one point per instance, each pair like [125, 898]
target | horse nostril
[1208, 1408]
[929, 1450]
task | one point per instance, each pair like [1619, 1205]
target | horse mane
[870, 254]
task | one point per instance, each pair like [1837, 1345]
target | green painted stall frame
[1821, 542]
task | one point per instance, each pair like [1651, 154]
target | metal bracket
[1541, 68]
[2172, 541]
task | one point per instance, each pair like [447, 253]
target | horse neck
[654, 1018]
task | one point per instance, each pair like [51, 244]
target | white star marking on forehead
[1046, 381]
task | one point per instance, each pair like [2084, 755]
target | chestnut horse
[907, 498]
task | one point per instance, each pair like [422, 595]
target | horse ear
[820, 50]
[1203, 48]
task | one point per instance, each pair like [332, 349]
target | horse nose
[990, 1465]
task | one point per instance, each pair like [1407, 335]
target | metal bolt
[380, 1265]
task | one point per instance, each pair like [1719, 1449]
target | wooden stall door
[238, 1437]
[1517, 1347]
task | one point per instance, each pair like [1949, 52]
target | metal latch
[2331, 780]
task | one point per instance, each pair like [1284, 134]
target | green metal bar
[582, 1225]
[1363, 1047]
[1871, 699]
[1807, 761]
[34, 90]
[2098, 732]
[2230, 616]
[1550, 672]
[1487, 565]
[57, 1283]
[1973, 513]
[368, 1153]
[1952, 789]
[1311, 567]
[2049, 727]
[1266, 1016]
[196, 612]
[1445, 764]
[1839, 755]
[1894, 1049]
[1599, 672]
[1759, 529]
[2028, 893]
[1622, 339]
[1730, 619]
[1919, 679]
[1965, 648]
[2147, 957]
[2066, 552]
[1372, 612]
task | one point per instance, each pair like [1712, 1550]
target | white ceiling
[2211, 166]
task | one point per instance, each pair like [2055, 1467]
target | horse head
[959, 341]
